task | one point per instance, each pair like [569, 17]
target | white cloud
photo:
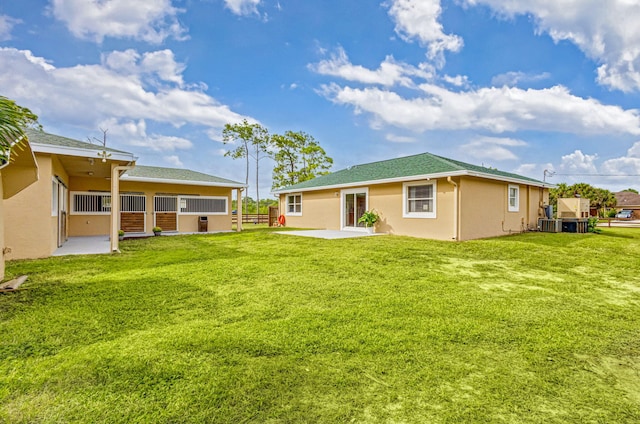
[150, 20]
[160, 64]
[492, 148]
[88, 95]
[174, 161]
[418, 19]
[606, 31]
[515, 78]
[134, 133]
[490, 109]
[243, 7]
[457, 81]
[625, 165]
[579, 162]
[6, 26]
[389, 73]
[400, 138]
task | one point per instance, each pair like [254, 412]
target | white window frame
[515, 207]
[286, 210]
[184, 198]
[93, 193]
[55, 197]
[405, 200]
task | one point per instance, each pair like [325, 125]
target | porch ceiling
[77, 166]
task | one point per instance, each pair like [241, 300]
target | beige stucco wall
[320, 209]
[482, 210]
[86, 225]
[28, 220]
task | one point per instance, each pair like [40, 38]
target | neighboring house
[74, 197]
[422, 196]
[628, 200]
[15, 175]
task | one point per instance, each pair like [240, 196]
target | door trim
[343, 194]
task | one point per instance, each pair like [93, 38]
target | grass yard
[268, 328]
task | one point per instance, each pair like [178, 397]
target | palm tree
[14, 119]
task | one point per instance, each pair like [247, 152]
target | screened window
[514, 198]
[200, 205]
[294, 204]
[419, 200]
[133, 203]
[90, 203]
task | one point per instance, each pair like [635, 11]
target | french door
[354, 203]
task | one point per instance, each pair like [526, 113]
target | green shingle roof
[175, 174]
[401, 168]
[41, 137]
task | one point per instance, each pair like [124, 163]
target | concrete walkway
[327, 234]
[84, 246]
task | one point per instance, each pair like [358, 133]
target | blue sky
[519, 85]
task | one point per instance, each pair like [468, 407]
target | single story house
[628, 200]
[86, 189]
[16, 174]
[422, 196]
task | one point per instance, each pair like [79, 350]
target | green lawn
[268, 328]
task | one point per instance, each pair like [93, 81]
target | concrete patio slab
[89, 245]
[327, 234]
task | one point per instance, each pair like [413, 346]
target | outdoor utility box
[574, 207]
[203, 224]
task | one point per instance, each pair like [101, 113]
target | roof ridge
[451, 162]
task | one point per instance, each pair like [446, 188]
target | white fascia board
[374, 182]
[85, 153]
[126, 177]
[508, 179]
[415, 178]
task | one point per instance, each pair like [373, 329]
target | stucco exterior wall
[387, 200]
[29, 232]
[320, 209]
[85, 225]
[482, 209]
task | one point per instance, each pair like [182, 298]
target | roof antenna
[103, 154]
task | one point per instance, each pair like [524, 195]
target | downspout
[455, 208]
[116, 171]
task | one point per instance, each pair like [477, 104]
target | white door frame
[343, 194]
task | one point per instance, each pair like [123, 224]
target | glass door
[354, 205]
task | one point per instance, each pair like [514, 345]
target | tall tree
[253, 143]
[14, 119]
[298, 158]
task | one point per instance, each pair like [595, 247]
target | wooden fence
[270, 218]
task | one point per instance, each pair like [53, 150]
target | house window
[90, 203]
[419, 200]
[294, 204]
[55, 199]
[514, 198]
[201, 204]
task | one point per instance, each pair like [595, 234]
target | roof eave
[414, 178]
[77, 151]
[126, 177]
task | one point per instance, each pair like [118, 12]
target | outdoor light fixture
[91, 161]
[104, 155]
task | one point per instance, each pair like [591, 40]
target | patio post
[115, 204]
[239, 210]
